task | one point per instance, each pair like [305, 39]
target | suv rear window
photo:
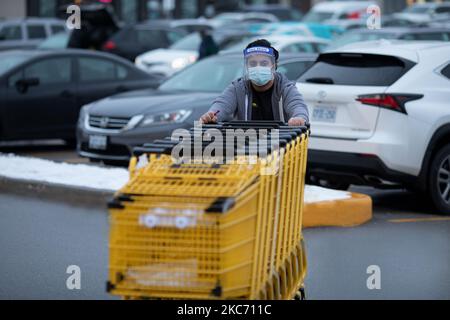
[356, 69]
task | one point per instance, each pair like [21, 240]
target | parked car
[291, 28]
[335, 11]
[231, 18]
[41, 92]
[188, 25]
[98, 24]
[282, 12]
[56, 41]
[289, 44]
[415, 33]
[132, 41]
[386, 21]
[27, 33]
[109, 129]
[183, 53]
[425, 12]
[381, 117]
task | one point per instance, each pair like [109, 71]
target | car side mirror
[23, 84]
[2, 37]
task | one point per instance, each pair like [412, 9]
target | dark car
[41, 92]
[27, 33]
[98, 24]
[132, 41]
[414, 33]
[282, 12]
[109, 129]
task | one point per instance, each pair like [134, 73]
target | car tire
[71, 143]
[439, 180]
[116, 163]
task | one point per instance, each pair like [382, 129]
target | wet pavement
[39, 239]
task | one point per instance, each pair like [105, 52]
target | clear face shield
[260, 65]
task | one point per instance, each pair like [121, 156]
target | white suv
[380, 116]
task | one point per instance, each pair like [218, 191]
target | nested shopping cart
[212, 229]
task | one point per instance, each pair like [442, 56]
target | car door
[46, 108]
[99, 77]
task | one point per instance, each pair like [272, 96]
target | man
[208, 46]
[262, 94]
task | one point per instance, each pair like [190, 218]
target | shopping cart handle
[221, 205]
[260, 122]
[115, 204]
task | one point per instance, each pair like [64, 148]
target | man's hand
[209, 117]
[296, 122]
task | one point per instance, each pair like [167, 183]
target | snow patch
[77, 175]
[110, 179]
[318, 194]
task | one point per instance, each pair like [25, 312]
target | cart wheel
[300, 295]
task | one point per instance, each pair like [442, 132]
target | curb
[77, 196]
[339, 213]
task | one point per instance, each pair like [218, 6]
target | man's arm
[223, 108]
[295, 106]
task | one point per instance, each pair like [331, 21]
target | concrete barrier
[350, 212]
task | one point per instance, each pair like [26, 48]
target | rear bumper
[355, 168]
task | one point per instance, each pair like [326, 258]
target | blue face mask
[260, 76]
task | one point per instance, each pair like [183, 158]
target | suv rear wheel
[439, 180]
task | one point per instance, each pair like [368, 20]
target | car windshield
[10, 61]
[318, 16]
[58, 41]
[357, 37]
[190, 42]
[210, 75]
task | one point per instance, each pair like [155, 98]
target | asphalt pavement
[407, 241]
[39, 240]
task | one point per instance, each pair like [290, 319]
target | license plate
[324, 114]
[98, 142]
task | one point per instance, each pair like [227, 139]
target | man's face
[259, 61]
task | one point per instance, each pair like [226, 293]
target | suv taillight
[354, 15]
[109, 45]
[395, 102]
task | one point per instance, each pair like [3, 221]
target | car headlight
[166, 118]
[83, 114]
[181, 63]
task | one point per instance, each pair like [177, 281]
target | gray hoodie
[234, 102]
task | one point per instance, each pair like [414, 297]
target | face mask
[260, 76]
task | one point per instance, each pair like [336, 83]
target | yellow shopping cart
[216, 230]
